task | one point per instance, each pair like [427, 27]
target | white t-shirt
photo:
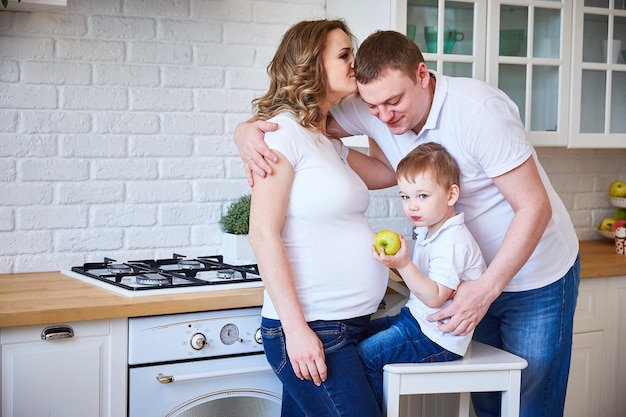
[326, 233]
[480, 127]
[449, 256]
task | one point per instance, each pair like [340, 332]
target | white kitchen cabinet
[550, 56]
[520, 46]
[528, 57]
[34, 5]
[585, 378]
[77, 376]
[599, 75]
[458, 47]
[598, 371]
[613, 396]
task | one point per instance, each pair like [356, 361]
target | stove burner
[151, 279]
[189, 264]
[119, 268]
[226, 274]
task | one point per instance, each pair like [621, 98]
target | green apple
[387, 240]
[620, 214]
[617, 189]
[607, 223]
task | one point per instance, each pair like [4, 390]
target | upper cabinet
[33, 5]
[598, 112]
[528, 57]
[450, 34]
[549, 56]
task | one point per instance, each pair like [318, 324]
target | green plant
[237, 218]
[5, 3]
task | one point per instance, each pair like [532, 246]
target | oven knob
[257, 337]
[198, 341]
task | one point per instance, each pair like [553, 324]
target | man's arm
[523, 189]
[375, 170]
[253, 149]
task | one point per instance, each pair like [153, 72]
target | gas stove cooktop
[164, 276]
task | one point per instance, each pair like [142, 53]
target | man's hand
[469, 306]
[253, 149]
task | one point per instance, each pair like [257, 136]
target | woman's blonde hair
[297, 80]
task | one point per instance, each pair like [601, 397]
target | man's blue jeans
[536, 325]
[397, 339]
[345, 392]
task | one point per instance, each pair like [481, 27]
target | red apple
[616, 224]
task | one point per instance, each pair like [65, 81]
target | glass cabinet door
[528, 44]
[450, 34]
[598, 117]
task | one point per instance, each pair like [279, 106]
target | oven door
[242, 386]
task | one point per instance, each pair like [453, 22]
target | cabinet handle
[57, 332]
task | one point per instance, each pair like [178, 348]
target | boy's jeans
[397, 339]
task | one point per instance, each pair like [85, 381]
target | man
[526, 298]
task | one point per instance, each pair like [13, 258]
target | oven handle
[167, 379]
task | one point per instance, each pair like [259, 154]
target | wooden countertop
[598, 259]
[51, 297]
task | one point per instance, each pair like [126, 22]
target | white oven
[200, 364]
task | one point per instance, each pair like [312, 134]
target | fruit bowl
[618, 201]
[607, 234]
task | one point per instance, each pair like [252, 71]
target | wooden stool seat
[483, 368]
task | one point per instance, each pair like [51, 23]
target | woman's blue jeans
[536, 325]
[345, 393]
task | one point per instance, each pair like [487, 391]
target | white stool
[483, 368]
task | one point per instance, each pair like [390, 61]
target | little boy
[445, 254]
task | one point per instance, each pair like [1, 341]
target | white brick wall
[116, 119]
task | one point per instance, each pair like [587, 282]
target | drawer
[33, 333]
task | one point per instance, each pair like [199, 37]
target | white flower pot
[237, 249]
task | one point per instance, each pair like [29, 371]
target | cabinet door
[450, 34]
[614, 357]
[599, 75]
[585, 377]
[364, 17]
[78, 376]
[455, 29]
[528, 56]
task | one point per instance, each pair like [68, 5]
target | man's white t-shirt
[326, 233]
[480, 127]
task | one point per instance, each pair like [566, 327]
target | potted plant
[235, 224]
[5, 3]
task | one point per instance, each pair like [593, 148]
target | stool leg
[464, 404]
[511, 398]
[391, 394]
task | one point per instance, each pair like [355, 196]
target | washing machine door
[228, 387]
[257, 403]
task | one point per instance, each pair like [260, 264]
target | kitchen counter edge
[51, 297]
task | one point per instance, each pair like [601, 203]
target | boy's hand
[397, 261]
